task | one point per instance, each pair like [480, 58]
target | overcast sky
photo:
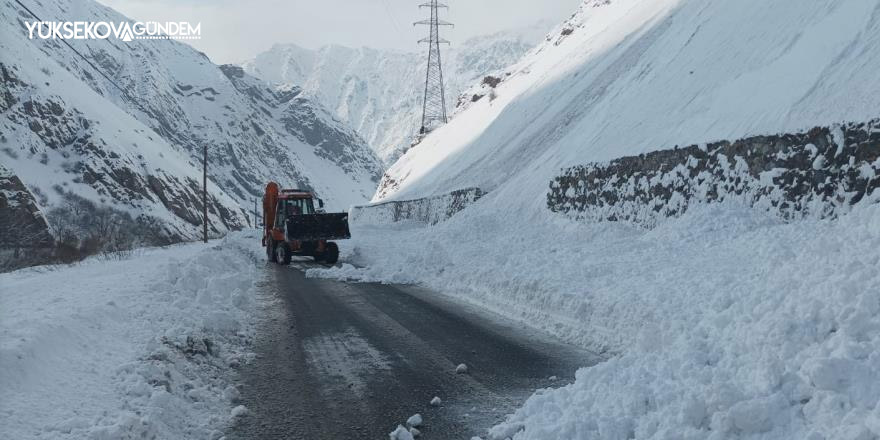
[235, 30]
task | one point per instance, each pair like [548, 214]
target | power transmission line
[89, 62]
[434, 100]
[391, 17]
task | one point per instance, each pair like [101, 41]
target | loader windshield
[297, 207]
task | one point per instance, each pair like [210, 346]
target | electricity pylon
[434, 101]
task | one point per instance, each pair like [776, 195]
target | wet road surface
[352, 361]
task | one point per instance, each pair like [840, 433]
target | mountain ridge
[376, 91]
[69, 132]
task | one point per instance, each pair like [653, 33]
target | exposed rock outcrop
[22, 225]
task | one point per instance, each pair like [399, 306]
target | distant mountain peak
[376, 91]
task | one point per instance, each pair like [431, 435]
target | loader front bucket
[314, 227]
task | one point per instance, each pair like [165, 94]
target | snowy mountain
[377, 91]
[69, 133]
[625, 77]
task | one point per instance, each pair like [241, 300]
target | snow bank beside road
[728, 322]
[765, 332]
[136, 348]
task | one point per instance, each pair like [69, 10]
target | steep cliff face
[67, 131]
[377, 91]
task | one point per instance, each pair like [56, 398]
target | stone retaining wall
[819, 173]
[429, 210]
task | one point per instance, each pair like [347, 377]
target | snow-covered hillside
[629, 76]
[724, 323]
[377, 91]
[67, 132]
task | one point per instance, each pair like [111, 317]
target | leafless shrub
[81, 228]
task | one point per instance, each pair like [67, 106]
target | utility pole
[205, 192]
[433, 101]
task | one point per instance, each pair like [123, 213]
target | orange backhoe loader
[294, 227]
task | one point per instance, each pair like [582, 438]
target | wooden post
[205, 192]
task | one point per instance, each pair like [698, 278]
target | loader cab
[292, 206]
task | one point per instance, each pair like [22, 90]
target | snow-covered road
[352, 361]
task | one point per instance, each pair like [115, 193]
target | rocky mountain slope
[68, 132]
[19, 213]
[377, 91]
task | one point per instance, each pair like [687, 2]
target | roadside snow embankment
[726, 321]
[723, 323]
[131, 348]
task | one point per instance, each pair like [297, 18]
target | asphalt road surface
[352, 361]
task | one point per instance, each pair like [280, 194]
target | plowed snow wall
[819, 173]
[430, 210]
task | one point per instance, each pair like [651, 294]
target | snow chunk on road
[239, 411]
[415, 420]
[400, 433]
[461, 369]
[436, 401]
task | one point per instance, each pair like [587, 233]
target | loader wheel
[270, 251]
[282, 254]
[331, 253]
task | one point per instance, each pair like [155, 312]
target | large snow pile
[133, 346]
[739, 327]
[723, 323]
